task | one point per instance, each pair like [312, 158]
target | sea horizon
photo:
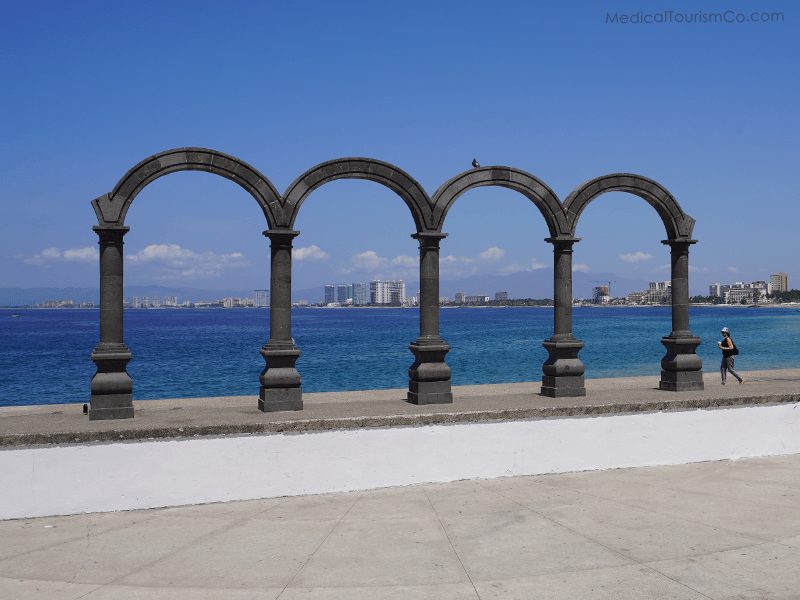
[44, 353]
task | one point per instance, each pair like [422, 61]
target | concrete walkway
[718, 530]
[191, 417]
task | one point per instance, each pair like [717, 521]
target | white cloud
[457, 266]
[89, 254]
[379, 266]
[409, 262]
[493, 253]
[733, 269]
[368, 260]
[176, 262]
[693, 269]
[312, 252]
[581, 267]
[635, 257]
[534, 265]
[455, 260]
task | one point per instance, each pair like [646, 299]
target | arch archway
[112, 208]
[676, 222]
[563, 370]
[429, 375]
[386, 174]
[680, 367]
[508, 177]
[111, 386]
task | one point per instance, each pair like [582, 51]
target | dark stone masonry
[429, 375]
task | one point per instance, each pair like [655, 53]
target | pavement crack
[593, 540]
[310, 556]
[449, 541]
[182, 547]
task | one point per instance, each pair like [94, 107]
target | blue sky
[91, 88]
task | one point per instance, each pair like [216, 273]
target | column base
[563, 387]
[111, 388]
[429, 392]
[280, 381]
[429, 378]
[681, 381]
[681, 366]
[563, 370]
[278, 399]
[113, 406]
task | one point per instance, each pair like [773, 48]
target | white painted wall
[146, 474]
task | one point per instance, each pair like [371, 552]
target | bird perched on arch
[475, 163]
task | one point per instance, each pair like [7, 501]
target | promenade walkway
[721, 530]
[188, 417]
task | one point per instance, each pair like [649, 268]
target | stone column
[280, 381]
[429, 376]
[680, 367]
[111, 387]
[563, 370]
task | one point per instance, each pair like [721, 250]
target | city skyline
[683, 119]
[393, 293]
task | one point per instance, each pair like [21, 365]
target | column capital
[111, 230]
[429, 239]
[281, 236]
[562, 243]
[679, 243]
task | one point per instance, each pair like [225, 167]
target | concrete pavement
[721, 530]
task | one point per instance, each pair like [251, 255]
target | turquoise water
[44, 354]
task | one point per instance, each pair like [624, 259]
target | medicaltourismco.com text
[668, 17]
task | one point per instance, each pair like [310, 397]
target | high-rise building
[344, 293]
[479, 299]
[459, 299]
[715, 290]
[659, 292]
[778, 282]
[360, 294]
[261, 298]
[330, 294]
[387, 292]
[501, 295]
[601, 294]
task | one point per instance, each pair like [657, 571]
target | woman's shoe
[741, 382]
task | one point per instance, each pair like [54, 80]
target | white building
[261, 298]
[387, 292]
[659, 292]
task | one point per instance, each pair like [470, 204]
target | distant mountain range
[522, 284]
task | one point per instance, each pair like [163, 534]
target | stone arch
[677, 223]
[378, 171]
[515, 179]
[112, 208]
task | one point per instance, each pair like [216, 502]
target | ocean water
[44, 354]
